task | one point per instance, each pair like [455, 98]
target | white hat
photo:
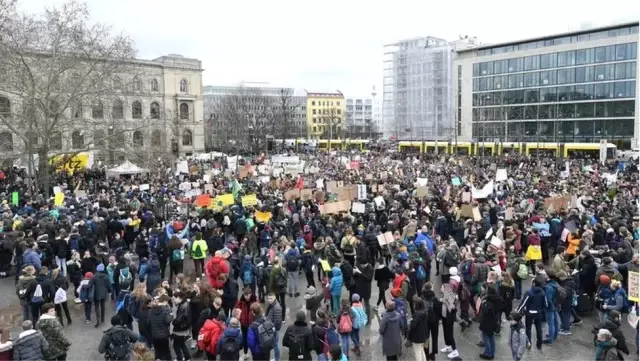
[453, 271]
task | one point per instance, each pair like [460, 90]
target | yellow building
[325, 115]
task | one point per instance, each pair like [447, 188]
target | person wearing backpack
[248, 274]
[116, 342]
[176, 257]
[344, 321]
[292, 259]
[159, 322]
[418, 333]
[360, 320]
[247, 299]
[556, 295]
[618, 301]
[101, 291]
[122, 277]
[348, 245]
[60, 300]
[198, 251]
[521, 274]
[44, 292]
[261, 335]
[278, 282]
[490, 313]
[231, 342]
[24, 290]
[299, 339]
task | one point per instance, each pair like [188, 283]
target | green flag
[15, 198]
[236, 187]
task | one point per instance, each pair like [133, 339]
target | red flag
[300, 184]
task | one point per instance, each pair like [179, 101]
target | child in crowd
[359, 321]
[517, 337]
[345, 325]
[313, 302]
[86, 295]
[383, 277]
[142, 269]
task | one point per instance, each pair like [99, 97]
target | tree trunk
[43, 171]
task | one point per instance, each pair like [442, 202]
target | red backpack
[209, 335]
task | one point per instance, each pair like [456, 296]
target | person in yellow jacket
[198, 251]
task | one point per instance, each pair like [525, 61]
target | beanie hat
[453, 271]
[355, 298]
[88, 276]
[100, 268]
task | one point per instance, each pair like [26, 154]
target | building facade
[359, 118]
[417, 96]
[220, 125]
[574, 87]
[154, 110]
[326, 115]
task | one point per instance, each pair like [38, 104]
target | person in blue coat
[31, 257]
[232, 337]
[335, 287]
[253, 339]
[533, 305]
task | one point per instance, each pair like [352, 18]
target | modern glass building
[574, 87]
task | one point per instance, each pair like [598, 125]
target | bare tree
[248, 117]
[64, 74]
[284, 109]
[333, 121]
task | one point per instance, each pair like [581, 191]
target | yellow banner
[249, 200]
[70, 164]
[634, 290]
[263, 217]
[59, 199]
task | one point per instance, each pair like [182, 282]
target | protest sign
[634, 291]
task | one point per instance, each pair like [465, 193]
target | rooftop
[330, 94]
[555, 36]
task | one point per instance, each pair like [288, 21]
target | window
[54, 108]
[548, 61]
[154, 110]
[600, 54]
[548, 77]
[621, 52]
[625, 70]
[55, 141]
[566, 76]
[338, 103]
[531, 79]
[138, 139]
[515, 65]
[117, 83]
[77, 140]
[154, 85]
[137, 84]
[532, 62]
[500, 66]
[117, 112]
[187, 137]
[581, 56]
[184, 111]
[6, 142]
[184, 86]
[97, 111]
[98, 138]
[5, 107]
[156, 138]
[486, 68]
[567, 58]
[548, 95]
[313, 102]
[136, 110]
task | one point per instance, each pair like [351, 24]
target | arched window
[117, 83]
[154, 85]
[117, 112]
[138, 139]
[55, 141]
[156, 138]
[136, 110]
[97, 111]
[137, 84]
[154, 110]
[77, 140]
[5, 107]
[184, 111]
[6, 142]
[187, 137]
[184, 87]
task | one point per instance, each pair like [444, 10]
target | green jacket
[52, 330]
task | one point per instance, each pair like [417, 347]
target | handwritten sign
[634, 290]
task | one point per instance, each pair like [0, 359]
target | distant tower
[374, 111]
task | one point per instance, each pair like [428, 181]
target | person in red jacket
[217, 270]
[246, 318]
[209, 336]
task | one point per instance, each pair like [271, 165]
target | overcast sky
[329, 44]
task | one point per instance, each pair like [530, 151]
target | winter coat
[534, 300]
[299, 330]
[230, 332]
[74, 271]
[116, 336]
[363, 281]
[418, 327]
[335, 286]
[158, 321]
[182, 321]
[29, 283]
[391, 332]
[319, 330]
[30, 346]
[101, 286]
[246, 317]
[518, 340]
[60, 248]
[253, 341]
[588, 269]
[31, 258]
[490, 314]
[383, 276]
[274, 313]
[48, 288]
[52, 330]
[153, 276]
[614, 327]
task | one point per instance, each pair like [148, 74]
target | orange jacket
[574, 243]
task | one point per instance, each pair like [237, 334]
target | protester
[52, 331]
[391, 331]
[31, 345]
[299, 339]
[116, 342]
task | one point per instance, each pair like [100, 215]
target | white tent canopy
[126, 168]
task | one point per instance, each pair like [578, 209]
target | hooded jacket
[28, 283]
[30, 346]
[335, 286]
[158, 322]
[391, 332]
[230, 332]
[535, 300]
[418, 327]
[299, 331]
[153, 276]
[115, 336]
[31, 258]
[614, 327]
[48, 288]
[52, 330]
[490, 311]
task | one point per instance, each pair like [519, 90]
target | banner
[634, 280]
[263, 217]
[59, 199]
[70, 163]
[249, 200]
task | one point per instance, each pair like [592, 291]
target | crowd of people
[448, 241]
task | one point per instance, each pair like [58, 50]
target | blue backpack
[247, 276]
[123, 304]
[626, 307]
[421, 274]
[153, 243]
[360, 321]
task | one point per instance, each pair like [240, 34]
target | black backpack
[280, 279]
[118, 348]
[297, 346]
[230, 349]
[432, 317]
[292, 263]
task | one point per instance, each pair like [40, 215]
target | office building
[573, 87]
[223, 124]
[359, 119]
[417, 94]
[326, 115]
